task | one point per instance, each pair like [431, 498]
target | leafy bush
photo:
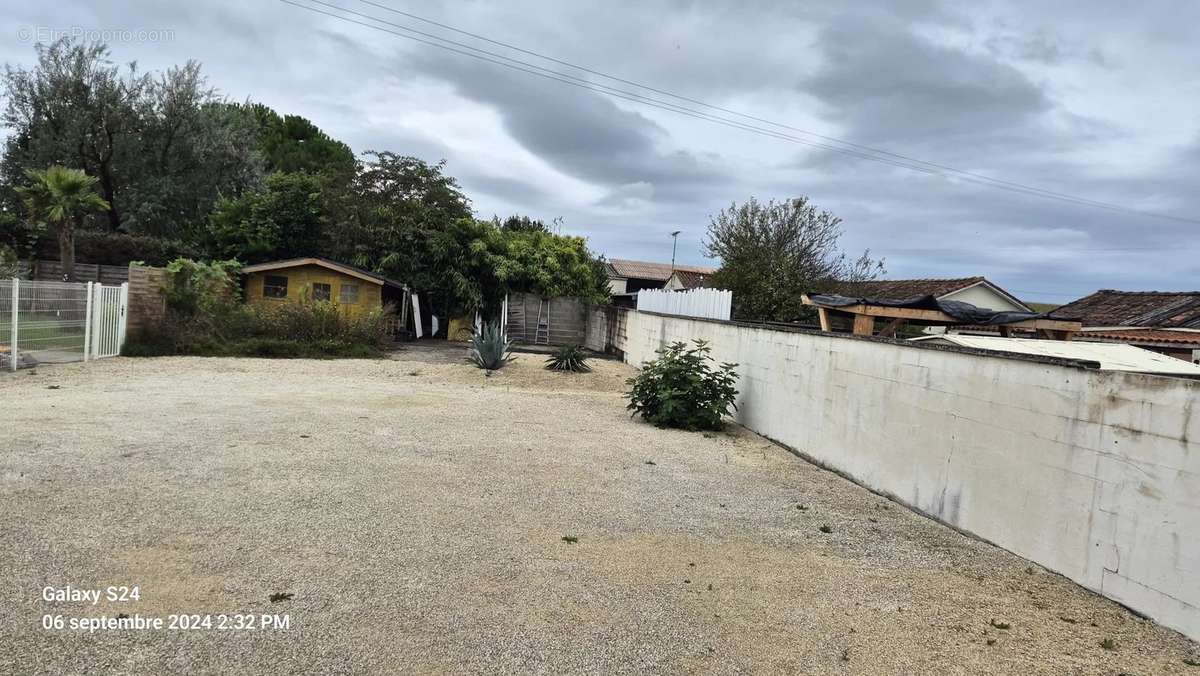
[681, 389]
[569, 358]
[195, 288]
[489, 348]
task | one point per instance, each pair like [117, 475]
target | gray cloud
[1082, 97]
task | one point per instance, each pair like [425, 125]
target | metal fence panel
[56, 322]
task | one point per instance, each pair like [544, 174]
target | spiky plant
[489, 348]
[569, 358]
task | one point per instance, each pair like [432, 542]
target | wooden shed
[355, 290]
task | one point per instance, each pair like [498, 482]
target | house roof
[1109, 357]
[1144, 336]
[691, 279]
[1161, 309]
[906, 288]
[618, 267]
[350, 270]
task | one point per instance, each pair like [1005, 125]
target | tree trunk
[66, 251]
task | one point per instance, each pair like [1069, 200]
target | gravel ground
[415, 510]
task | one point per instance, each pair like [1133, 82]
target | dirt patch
[411, 515]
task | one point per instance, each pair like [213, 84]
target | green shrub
[569, 358]
[489, 348]
[681, 389]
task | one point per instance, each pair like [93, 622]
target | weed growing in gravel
[1191, 662]
[1068, 620]
[281, 596]
[826, 529]
[684, 388]
[802, 508]
[1108, 644]
[1000, 625]
[570, 539]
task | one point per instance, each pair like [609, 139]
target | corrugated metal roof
[1111, 356]
[648, 270]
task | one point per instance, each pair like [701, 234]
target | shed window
[322, 291]
[275, 286]
[349, 295]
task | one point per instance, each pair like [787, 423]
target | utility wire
[864, 152]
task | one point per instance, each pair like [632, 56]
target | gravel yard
[415, 510]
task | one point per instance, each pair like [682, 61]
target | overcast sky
[1096, 99]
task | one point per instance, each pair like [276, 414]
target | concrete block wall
[1095, 475]
[147, 305]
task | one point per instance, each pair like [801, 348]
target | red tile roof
[647, 270]
[1161, 309]
[1135, 336]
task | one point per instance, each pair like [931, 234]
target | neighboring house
[682, 280]
[1167, 322]
[354, 289]
[627, 277]
[977, 291]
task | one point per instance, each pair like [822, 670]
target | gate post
[13, 357]
[123, 316]
[87, 324]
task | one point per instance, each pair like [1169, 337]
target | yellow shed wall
[300, 281]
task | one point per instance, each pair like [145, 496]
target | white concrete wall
[1092, 474]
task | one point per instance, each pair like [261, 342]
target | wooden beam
[864, 325]
[823, 314]
[937, 316]
[1005, 331]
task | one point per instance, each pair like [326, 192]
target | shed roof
[646, 270]
[343, 268]
[1161, 309]
[1110, 356]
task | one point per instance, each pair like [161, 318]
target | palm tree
[61, 198]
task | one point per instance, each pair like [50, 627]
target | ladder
[516, 321]
[542, 334]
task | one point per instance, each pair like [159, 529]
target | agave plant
[489, 347]
[569, 358]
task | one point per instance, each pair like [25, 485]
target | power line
[710, 106]
[851, 149]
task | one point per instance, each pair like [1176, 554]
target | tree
[162, 147]
[291, 143]
[516, 223]
[772, 253]
[285, 220]
[537, 261]
[62, 198]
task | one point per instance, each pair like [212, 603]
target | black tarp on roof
[960, 311]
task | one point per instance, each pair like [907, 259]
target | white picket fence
[706, 303]
[54, 322]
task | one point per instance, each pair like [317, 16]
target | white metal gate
[55, 322]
